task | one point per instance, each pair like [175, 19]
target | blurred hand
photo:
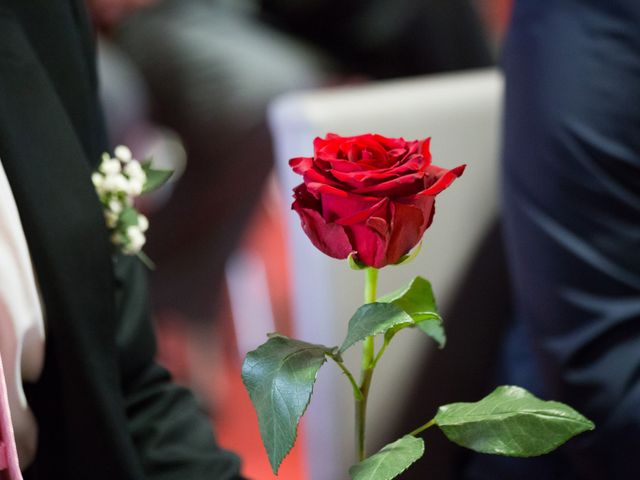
[107, 13]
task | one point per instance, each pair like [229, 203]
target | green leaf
[155, 178]
[389, 462]
[511, 421]
[433, 328]
[128, 218]
[372, 319]
[418, 301]
[279, 376]
[411, 306]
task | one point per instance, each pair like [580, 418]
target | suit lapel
[87, 39]
[59, 35]
[50, 179]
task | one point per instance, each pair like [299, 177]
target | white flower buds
[118, 181]
[123, 154]
[135, 240]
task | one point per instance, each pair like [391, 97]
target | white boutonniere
[118, 181]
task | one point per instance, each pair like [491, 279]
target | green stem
[356, 389]
[368, 352]
[421, 429]
[370, 284]
[361, 414]
[380, 352]
[147, 262]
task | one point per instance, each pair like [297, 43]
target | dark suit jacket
[104, 408]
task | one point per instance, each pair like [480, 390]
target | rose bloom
[368, 195]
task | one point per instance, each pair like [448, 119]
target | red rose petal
[445, 178]
[369, 245]
[425, 148]
[329, 146]
[362, 216]
[368, 178]
[369, 233]
[338, 204]
[318, 177]
[343, 166]
[317, 188]
[375, 154]
[301, 164]
[329, 238]
[302, 195]
[356, 179]
[391, 143]
[414, 162]
[408, 224]
[396, 187]
[378, 224]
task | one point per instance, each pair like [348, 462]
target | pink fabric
[8, 452]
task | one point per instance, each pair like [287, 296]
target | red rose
[368, 195]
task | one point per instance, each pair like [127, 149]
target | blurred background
[225, 92]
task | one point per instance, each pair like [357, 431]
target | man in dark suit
[104, 409]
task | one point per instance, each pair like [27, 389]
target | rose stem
[422, 428]
[368, 351]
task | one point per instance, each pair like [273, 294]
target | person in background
[86, 398]
[571, 205]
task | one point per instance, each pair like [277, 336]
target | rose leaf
[372, 319]
[512, 422]
[389, 462]
[279, 376]
[418, 301]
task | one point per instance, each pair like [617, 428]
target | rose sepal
[411, 256]
[354, 263]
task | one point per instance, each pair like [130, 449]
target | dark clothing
[571, 202]
[388, 39]
[104, 409]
